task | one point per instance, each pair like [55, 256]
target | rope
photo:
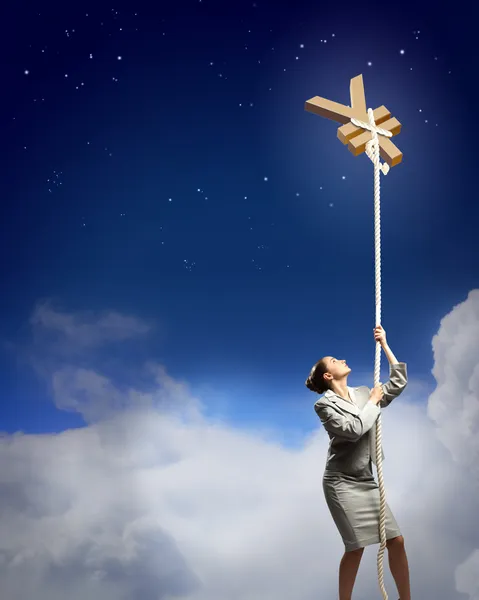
[372, 150]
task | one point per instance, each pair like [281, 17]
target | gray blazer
[350, 425]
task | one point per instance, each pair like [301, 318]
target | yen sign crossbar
[356, 131]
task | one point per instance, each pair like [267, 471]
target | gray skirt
[353, 501]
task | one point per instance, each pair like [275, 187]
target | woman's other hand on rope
[380, 335]
[376, 394]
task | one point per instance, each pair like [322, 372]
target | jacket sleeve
[396, 384]
[350, 427]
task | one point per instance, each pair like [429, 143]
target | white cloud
[454, 404]
[95, 396]
[153, 501]
[467, 576]
[83, 330]
[454, 407]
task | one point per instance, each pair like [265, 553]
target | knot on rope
[372, 147]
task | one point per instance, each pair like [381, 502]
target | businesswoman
[352, 494]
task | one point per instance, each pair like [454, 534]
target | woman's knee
[356, 552]
[396, 542]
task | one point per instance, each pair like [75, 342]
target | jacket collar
[333, 396]
[351, 407]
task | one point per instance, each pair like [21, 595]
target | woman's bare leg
[348, 569]
[399, 566]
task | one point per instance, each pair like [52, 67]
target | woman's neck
[340, 388]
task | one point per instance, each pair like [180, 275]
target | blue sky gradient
[251, 280]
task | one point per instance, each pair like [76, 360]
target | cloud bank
[152, 500]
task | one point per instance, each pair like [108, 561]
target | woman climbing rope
[351, 492]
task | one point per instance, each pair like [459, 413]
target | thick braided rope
[372, 150]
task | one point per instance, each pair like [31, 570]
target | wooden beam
[332, 110]
[348, 131]
[356, 91]
[356, 138]
[389, 152]
[357, 144]
[387, 149]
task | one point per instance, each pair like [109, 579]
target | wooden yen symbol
[356, 137]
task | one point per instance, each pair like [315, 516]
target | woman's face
[337, 368]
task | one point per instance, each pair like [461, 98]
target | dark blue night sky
[157, 161]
